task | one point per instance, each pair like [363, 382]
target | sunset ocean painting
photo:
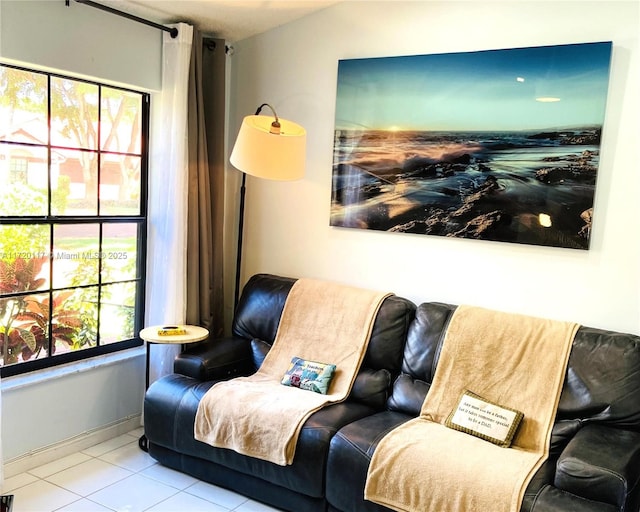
[499, 145]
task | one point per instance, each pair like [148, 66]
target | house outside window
[73, 175]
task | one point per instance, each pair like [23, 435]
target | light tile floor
[117, 475]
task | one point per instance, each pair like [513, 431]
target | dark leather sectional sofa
[594, 463]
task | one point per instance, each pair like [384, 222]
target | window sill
[28, 379]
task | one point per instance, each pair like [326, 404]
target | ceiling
[231, 20]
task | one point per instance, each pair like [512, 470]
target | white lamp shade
[267, 155]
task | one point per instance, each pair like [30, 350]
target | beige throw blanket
[259, 417]
[512, 360]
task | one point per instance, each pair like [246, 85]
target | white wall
[80, 40]
[76, 40]
[287, 231]
[46, 413]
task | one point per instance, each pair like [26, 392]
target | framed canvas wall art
[499, 145]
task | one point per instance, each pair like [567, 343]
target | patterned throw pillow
[309, 375]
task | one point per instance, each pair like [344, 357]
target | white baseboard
[75, 444]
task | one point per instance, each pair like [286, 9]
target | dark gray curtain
[205, 299]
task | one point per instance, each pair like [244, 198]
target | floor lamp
[270, 148]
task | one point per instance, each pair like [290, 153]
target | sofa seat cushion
[247, 485]
[170, 408]
[542, 478]
[561, 434]
[349, 457]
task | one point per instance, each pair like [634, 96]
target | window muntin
[73, 164]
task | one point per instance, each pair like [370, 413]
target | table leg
[146, 382]
[142, 442]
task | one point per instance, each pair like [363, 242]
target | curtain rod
[172, 30]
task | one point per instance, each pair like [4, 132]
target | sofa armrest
[601, 463]
[551, 499]
[216, 359]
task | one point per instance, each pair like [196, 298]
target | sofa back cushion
[260, 307]
[424, 341]
[602, 382]
[258, 315]
[603, 379]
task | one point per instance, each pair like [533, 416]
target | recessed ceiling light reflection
[544, 220]
[547, 99]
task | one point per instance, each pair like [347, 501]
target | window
[73, 175]
[18, 170]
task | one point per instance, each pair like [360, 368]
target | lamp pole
[240, 231]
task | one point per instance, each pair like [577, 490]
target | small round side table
[150, 335]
